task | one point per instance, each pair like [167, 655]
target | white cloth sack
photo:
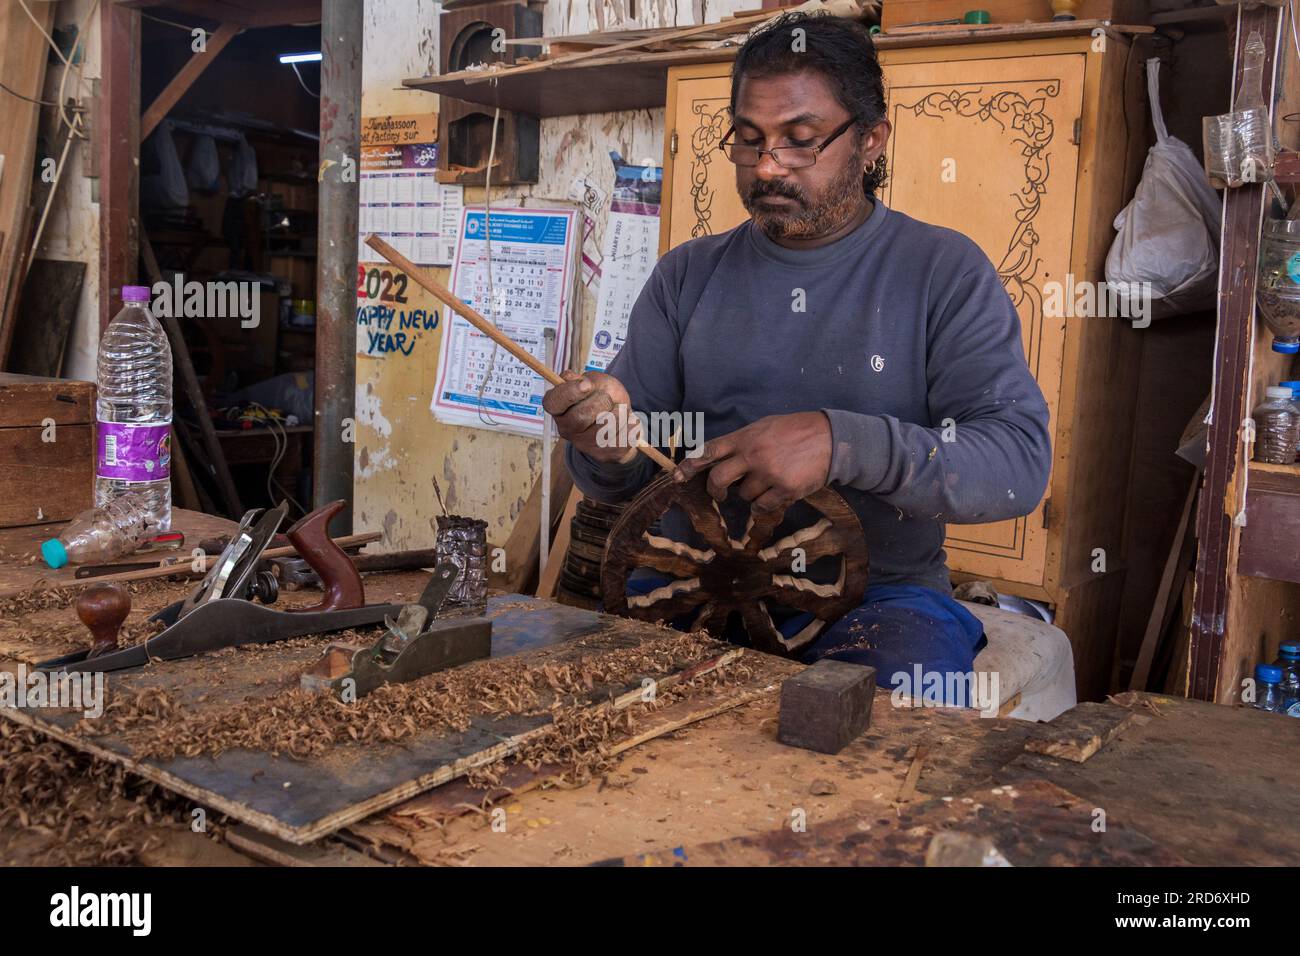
[1169, 234]
[164, 188]
[242, 176]
[204, 170]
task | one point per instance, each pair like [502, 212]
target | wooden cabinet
[1022, 146]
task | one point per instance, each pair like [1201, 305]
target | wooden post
[118, 132]
[1221, 498]
[185, 77]
[342, 26]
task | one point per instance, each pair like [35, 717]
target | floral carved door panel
[704, 199]
[985, 147]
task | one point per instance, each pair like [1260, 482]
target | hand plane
[414, 645]
[220, 612]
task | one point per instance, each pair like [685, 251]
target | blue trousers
[895, 629]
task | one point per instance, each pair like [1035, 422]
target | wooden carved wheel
[748, 577]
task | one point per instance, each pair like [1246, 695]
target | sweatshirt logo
[877, 363]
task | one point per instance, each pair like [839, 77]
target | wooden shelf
[1269, 539]
[634, 81]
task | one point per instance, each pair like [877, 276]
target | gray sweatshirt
[906, 333]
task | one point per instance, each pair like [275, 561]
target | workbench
[705, 782]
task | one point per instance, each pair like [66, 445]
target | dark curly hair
[839, 49]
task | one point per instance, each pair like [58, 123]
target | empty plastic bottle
[1268, 693]
[134, 412]
[103, 534]
[1288, 662]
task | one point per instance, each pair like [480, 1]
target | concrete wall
[399, 444]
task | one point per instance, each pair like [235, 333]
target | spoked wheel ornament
[751, 576]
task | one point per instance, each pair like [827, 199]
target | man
[830, 340]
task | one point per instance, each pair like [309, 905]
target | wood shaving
[302, 724]
[66, 808]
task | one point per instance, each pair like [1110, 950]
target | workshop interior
[462, 434]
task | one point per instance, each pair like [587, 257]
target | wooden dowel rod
[184, 565]
[466, 311]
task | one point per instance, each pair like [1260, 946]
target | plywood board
[301, 800]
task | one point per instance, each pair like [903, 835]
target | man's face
[800, 109]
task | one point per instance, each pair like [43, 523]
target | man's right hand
[579, 406]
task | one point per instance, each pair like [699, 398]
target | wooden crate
[901, 13]
[47, 449]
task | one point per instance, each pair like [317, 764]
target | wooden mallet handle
[445, 295]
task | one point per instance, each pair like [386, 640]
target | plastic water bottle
[1277, 427]
[134, 411]
[103, 534]
[1268, 695]
[1288, 662]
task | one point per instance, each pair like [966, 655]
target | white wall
[72, 230]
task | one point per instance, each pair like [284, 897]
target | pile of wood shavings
[49, 599]
[302, 724]
[579, 743]
[66, 808]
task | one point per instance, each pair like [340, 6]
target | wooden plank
[1080, 732]
[23, 57]
[185, 77]
[898, 13]
[49, 308]
[625, 46]
[523, 546]
[1272, 523]
[118, 133]
[43, 480]
[28, 400]
[1162, 607]
[301, 800]
[559, 547]
[1035, 823]
[1195, 777]
[275, 852]
[1243, 210]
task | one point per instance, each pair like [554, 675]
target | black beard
[807, 221]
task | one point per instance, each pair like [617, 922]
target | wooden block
[1079, 733]
[45, 480]
[29, 400]
[826, 706]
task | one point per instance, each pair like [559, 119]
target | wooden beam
[184, 79]
[22, 70]
[1243, 212]
[246, 13]
[118, 129]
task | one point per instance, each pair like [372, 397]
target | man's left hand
[777, 460]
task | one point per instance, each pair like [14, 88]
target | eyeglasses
[787, 157]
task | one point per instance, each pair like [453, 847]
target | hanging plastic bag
[162, 180]
[204, 170]
[1168, 235]
[242, 178]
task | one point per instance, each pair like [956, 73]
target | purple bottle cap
[136, 293]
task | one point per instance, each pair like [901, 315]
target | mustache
[773, 187]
